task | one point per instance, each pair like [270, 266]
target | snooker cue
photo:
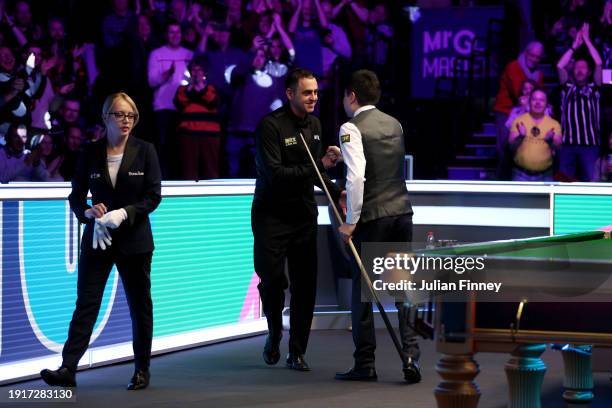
[362, 269]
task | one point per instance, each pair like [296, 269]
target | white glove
[101, 237]
[113, 219]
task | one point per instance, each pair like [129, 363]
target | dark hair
[539, 89]
[173, 22]
[294, 76]
[56, 19]
[199, 60]
[364, 83]
[582, 56]
[533, 83]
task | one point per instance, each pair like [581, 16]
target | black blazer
[285, 175]
[137, 190]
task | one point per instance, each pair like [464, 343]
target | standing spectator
[167, 67]
[67, 70]
[354, 15]
[281, 51]
[178, 12]
[15, 163]
[15, 36]
[51, 158]
[250, 84]
[603, 35]
[69, 114]
[41, 101]
[234, 13]
[580, 109]
[23, 22]
[113, 76]
[307, 35]
[221, 55]
[116, 24]
[523, 106]
[378, 38]
[16, 92]
[222, 58]
[526, 66]
[141, 43]
[199, 129]
[56, 37]
[335, 41]
[72, 148]
[535, 137]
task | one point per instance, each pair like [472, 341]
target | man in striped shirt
[580, 109]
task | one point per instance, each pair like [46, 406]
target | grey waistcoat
[385, 191]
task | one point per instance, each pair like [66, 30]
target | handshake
[103, 222]
[332, 157]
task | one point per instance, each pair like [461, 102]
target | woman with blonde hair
[122, 173]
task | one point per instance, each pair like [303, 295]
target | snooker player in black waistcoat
[124, 178]
[284, 214]
[378, 210]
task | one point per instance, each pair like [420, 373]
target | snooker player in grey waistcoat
[378, 210]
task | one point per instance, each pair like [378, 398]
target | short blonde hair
[112, 98]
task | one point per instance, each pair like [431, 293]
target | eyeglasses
[122, 115]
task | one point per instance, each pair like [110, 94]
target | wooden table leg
[578, 381]
[525, 372]
[457, 389]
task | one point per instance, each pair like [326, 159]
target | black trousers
[277, 239]
[94, 269]
[387, 229]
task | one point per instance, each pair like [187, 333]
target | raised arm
[567, 57]
[321, 14]
[285, 38]
[19, 36]
[339, 7]
[361, 12]
[594, 54]
[205, 35]
[295, 18]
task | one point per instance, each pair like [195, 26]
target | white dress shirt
[354, 159]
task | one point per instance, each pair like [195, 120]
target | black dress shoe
[140, 380]
[271, 351]
[297, 362]
[412, 372]
[358, 374]
[62, 377]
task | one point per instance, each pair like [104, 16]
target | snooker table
[557, 293]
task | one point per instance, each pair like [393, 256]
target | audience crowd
[204, 72]
[531, 143]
